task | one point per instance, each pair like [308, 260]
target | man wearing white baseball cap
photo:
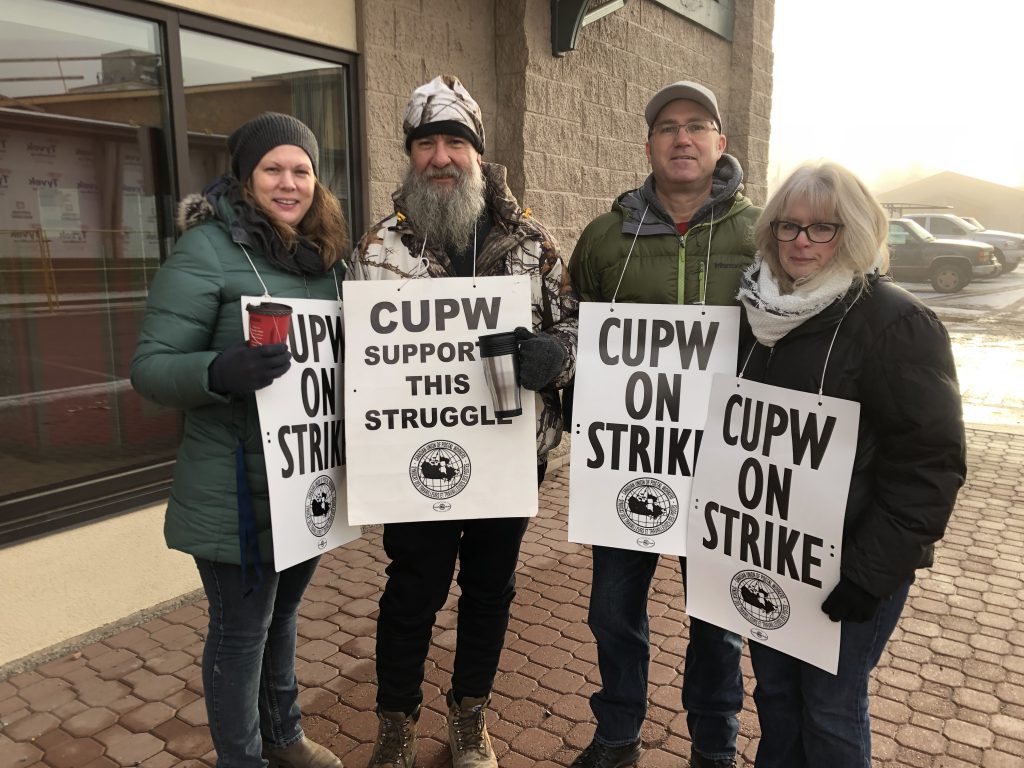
[684, 237]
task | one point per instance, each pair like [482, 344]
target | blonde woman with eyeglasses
[821, 316]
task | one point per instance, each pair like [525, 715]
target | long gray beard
[446, 216]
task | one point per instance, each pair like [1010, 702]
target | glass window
[228, 82]
[944, 227]
[897, 234]
[914, 226]
[82, 108]
[91, 163]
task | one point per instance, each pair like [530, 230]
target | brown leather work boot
[467, 734]
[396, 740]
[302, 754]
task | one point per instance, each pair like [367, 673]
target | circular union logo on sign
[440, 469]
[759, 600]
[321, 503]
[647, 506]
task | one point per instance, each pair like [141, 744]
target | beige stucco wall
[67, 584]
[329, 22]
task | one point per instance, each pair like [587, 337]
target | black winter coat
[893, 356]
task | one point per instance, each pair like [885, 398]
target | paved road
[977, 300]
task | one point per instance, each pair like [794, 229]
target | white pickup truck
[1009, 245]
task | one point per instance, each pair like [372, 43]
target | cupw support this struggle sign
[424, 442]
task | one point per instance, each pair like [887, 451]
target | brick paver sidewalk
[949, 692]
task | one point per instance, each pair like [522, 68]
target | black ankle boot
[599, 755]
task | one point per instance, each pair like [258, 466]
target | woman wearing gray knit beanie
[268, 228]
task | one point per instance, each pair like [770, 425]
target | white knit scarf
[772, 314]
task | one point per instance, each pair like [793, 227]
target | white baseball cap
[684, 89]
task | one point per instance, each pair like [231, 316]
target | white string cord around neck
[707, 261]
[251, 264]
[424, 266]
[828, 354]
[707, 258]
[824, 368]
[424, 263]
[334, 274]
[632, 245]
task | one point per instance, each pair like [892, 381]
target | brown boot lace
[396, 740]
[468, 727]
[467, 732]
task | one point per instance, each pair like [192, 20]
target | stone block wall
[405, 43]
[750, 111]
[571, 129]
[583, 124]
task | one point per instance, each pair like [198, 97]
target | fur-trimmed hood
[218, 202]
[193, 210]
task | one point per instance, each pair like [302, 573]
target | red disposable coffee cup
[268, 323]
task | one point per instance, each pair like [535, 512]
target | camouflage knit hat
[443, 106]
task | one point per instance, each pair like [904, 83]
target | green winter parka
[665, 267]
[192, 314]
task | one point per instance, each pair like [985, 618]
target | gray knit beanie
[252, 140]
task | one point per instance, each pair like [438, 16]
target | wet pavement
[949, 692]
[991, 373]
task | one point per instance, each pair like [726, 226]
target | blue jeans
[249, 660]
[712, 680]
[811, 718]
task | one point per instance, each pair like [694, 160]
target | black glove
[849, 602]
[541, 358]
[241, 369]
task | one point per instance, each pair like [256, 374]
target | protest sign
[424, 442]
[643, 379]
[766, 515]
[303, 443]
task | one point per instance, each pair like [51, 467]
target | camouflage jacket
[393, 249]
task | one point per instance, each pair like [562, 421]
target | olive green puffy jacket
[653, 274]
[193, 312]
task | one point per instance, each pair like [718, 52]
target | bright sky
[899, 89]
